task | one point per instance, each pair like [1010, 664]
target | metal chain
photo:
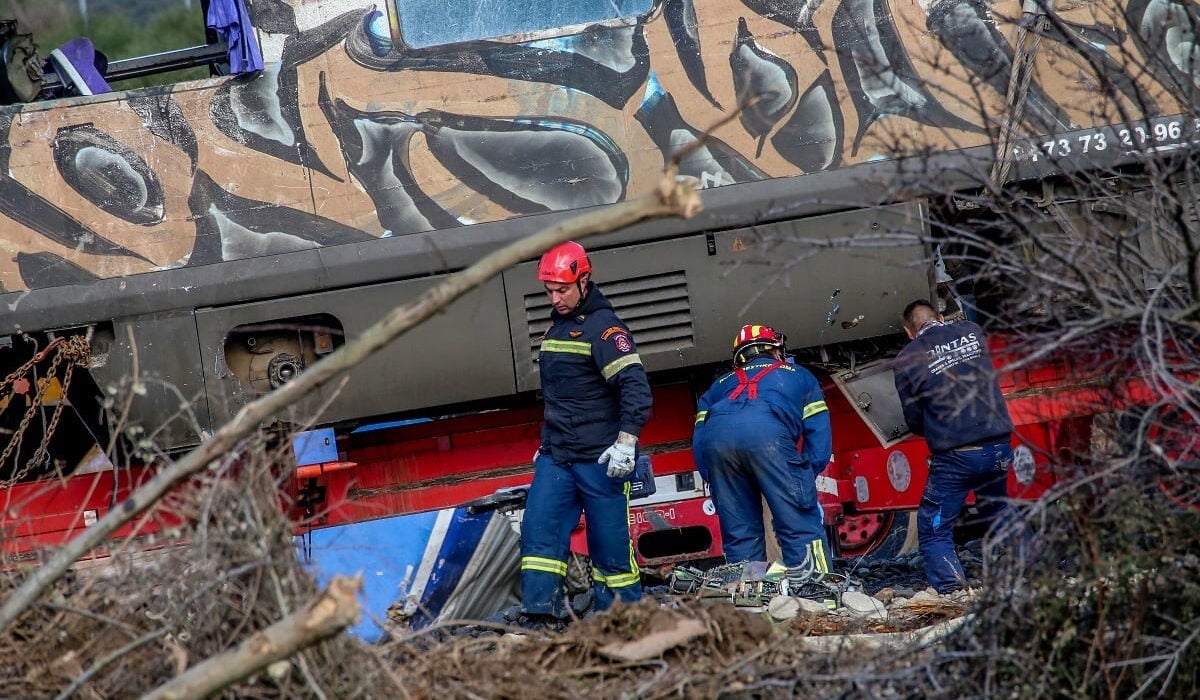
[77, 350]
[42, 451]
[34, 404]
[37, 357]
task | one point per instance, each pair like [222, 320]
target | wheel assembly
[876, 535]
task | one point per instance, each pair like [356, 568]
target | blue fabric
[232, 23]
[952, 475]
[585, 409]
[745, 448]
[947, 386]
[559, 494]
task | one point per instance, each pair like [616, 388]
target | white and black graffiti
[350, 133]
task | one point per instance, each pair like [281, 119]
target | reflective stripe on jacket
[593, 382]
[785, 393]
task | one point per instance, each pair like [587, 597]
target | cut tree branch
[334, 610]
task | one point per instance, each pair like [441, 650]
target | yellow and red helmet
[565, 263]
[755, 339]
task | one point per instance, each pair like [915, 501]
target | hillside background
[119, 28]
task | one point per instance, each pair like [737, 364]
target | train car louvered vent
[656, 308]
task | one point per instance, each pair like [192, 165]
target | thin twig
[108, 659]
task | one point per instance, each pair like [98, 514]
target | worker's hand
[621, 456]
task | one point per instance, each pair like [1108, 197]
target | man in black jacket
[597, 400]
[948, 388]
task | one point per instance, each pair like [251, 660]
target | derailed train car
[170, 253]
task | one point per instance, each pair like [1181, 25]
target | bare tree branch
[670, 198]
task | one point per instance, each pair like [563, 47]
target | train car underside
[79, 402]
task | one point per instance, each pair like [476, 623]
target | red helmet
[761, 337]
[564, 263]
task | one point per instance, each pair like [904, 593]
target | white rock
[965, 595]
[928, 595]
[864, 605]
[783, 607]
[812, 607]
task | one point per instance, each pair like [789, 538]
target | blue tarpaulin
[423, 566]
[232, 23]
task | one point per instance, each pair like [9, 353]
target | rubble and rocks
[877, 603]
[877, 597]
[905, 574]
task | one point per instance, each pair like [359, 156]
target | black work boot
[535, 622]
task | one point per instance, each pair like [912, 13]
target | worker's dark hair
[910, 311]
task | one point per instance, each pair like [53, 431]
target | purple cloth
[81, 54]
[232, 23]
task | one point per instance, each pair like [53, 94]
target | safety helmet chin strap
[745, 356]
[763, 350]
[582, 283]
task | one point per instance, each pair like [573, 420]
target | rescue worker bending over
[947, 386]
[747, 427]
[597, 399]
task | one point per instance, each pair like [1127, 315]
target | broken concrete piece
[863, 605]
[812, 607]
[783, 607]
[926, 596]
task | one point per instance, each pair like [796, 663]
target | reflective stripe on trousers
[559, 494]
[751, 459]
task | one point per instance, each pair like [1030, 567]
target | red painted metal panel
[48, 513]
[678, 516]
[444, 463]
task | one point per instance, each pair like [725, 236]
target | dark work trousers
[952, 475]
[560, 492]
[750, 458]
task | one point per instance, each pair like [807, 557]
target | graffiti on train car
[367, 123]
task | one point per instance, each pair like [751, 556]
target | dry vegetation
[124, 627]
[1123, 621]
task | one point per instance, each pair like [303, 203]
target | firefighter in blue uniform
[948, 389]
[597, 398]
[747, 427]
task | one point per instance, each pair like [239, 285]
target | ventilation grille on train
[655, 308]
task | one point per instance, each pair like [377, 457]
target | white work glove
[621, 456]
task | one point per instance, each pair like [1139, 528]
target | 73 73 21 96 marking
[1164, 133]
